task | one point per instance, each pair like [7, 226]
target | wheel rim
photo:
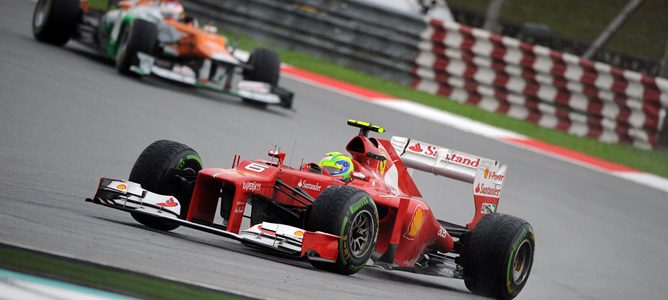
[361, 233]
[521, 262]
[40, 13]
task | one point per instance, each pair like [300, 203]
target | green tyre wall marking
[357, 206]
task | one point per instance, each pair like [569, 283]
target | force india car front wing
[131, 197]
[224, 74]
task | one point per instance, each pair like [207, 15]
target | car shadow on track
[398, 277]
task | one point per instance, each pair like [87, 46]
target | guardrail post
[612, 28]
[662, 142]
[663, 136]
[491, 20]
[663, 64]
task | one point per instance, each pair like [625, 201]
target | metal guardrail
[369, 38]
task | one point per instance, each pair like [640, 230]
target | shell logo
[416, 223]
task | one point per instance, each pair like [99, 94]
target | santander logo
[461, 160]
[429, 150]
[416, 148]
[309, 186]
[169, 203]
[487, 190]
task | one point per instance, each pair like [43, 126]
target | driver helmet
[171, 9]
[337, 164]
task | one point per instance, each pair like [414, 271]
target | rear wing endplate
[486, 175]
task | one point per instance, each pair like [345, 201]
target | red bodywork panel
[406, 223]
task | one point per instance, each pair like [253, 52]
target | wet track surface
[67, 118]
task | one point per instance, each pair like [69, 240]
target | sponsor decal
[169, 203]
[355, 207]
[416, 223]
[442, 232]
[461, 160]
[432, 151]
[487, 190]
[488, 208]
[492, 175]
[309, 186]
[428, 150]
[251, 186]
[239, 209]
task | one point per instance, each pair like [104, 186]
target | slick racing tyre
[166, 168]
[138, 36]
[351, 214]
[497, 256]
[54, 21]
[266, 67]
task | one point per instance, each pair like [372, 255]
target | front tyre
[138, 36]
[167, 168]
[54, 21]
[498, 255]
[351, 214]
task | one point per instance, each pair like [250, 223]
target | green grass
[98, 4]
[653, 161]
[105, 278]
[644, 34]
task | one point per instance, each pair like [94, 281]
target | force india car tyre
[167, 168]
[139, 36]
[498, 255]
[351, 214]
[55, 21]
[266, 66]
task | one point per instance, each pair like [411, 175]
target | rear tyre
[139, 36]
[498, 255]
[351, 214]
[54, 21]
[266, 67]
[167, 168]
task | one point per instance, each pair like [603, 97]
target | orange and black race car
[150, 37]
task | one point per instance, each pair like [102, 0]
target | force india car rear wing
[485, 174]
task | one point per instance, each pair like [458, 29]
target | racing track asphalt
[67, 118]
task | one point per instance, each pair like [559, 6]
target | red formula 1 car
[375, 218]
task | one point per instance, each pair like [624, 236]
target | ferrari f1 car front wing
[131, 197]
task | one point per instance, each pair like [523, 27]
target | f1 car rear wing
[486, 175]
